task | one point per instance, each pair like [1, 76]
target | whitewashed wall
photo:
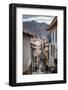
[26, 53]
[51, 58]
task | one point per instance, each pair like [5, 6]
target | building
[26, 51]
[53, 44]
[35, 53]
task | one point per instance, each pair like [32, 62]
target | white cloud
[40, 19]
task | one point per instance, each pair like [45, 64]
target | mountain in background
[35, 28]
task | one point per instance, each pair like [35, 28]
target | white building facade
[26, 51]
[53, 43]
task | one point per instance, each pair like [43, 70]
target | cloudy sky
[38, 18]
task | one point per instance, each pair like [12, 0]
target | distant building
[35, 52]
[53, 44]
